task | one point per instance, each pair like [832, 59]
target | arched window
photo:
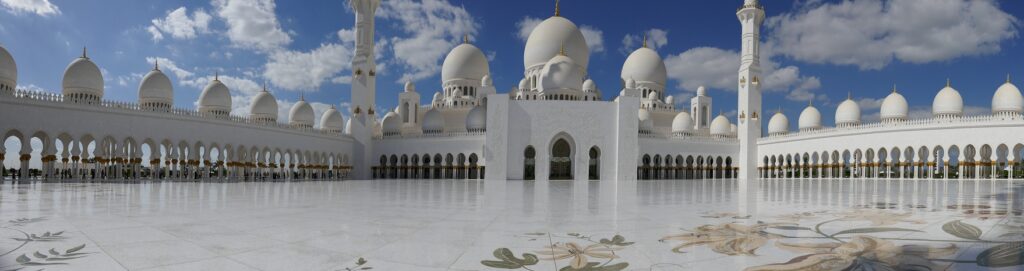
[529, 163]
[595, 163]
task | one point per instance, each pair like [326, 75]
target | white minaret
[751, 16]
[364, 87]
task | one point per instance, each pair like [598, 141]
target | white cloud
[805, 90]
[179, 25]
[656, 38]
[432, 27]
[293, 70]
[716, 68]
[169, 65]
[39, 7]
[252, 24]
[594, 38]
[870, 34]
[526, 26]
[592, 35]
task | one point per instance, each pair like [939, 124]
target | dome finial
[894, 88]
[849, 95]
[810, 102]
[265, 86]
[947, 82]
[645, 39]
[561, 50]
[557, 11]
[216, 76]
[156, 64]
[465, 38]
[302, 96]
[84, 53]
[1007, 78]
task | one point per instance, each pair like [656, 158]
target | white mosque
[553, 126]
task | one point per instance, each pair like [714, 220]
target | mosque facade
[554, 125]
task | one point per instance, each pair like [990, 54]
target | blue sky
[814, 49]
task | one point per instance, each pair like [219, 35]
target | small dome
[948, 102]
[348, 125]
[523, 84]
[1007, 99]
[8, 69]
[702, 91]
[409, 87]
[550, 37]
[486, 81]
[156, 88]
[848, 113]
[561, 73]
[670, 100]
[645, 65]
[465, 62]
[437, 96]
[721, 126]
[589, 86]
[682, 123]
[733, 129]
[83, 77]
[646, 123]
[433, 121]
[301, 114]
[894, 107]
[810, 118]
[392, 124]
[332, 121]
[264, 107]
[778, 124]
[630, 83]
[215, 98]
[652, 96]
[476, 120]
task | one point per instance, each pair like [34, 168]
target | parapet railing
[431, 135]
[56, 98]
[939, 122]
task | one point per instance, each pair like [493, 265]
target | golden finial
[810, 102]
[1007, 78]
[216, 76]
[947, 82]
[557, 11]
[84, 53]
[645, 39]
[264, 85]
[156, 64]
[893, 88]
[849, 95]
[561, 50]
[302, 96]
[465, 39]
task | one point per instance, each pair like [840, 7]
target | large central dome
[548, 38]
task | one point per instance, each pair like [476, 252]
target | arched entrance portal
[561, 160]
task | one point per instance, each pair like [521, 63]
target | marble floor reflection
[514, 225]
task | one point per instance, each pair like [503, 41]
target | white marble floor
[514, 225]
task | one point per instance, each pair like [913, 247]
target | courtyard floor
[513, 225]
